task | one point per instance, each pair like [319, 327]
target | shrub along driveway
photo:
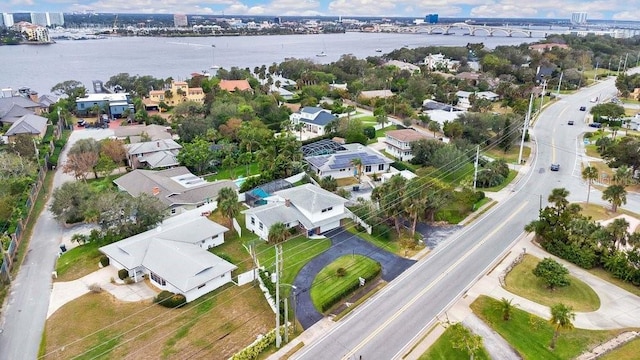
[342, 243]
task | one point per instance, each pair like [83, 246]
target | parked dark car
[583, 108]
[82, 122]
[570, 122]
[596, 125]
[555, 167]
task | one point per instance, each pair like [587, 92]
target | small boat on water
[378, 50]
[322, 54]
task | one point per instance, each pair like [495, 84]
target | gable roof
[48, 100]
[310, 197]
[161, 159]
[7, 102]
[233, 85]
[152, 146]
[14, 113]
[175, 186]
[376, 94]
[28, 124]
[172, 251]
[403, 65]
[155, 132]
[318, 116]
[406, 135]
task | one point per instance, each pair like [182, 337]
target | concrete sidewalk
[64, 292]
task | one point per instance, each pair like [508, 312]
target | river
[41, 67]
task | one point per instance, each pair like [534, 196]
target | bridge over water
[483, 30]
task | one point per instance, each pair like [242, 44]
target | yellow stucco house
[177, 94]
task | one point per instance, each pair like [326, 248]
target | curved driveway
[342, 243]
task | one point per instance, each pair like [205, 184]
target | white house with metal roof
[307, 207]
[313, 118]
[174, 256]
[340, 164]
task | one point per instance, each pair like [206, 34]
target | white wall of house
[208, 287]
[403, 155]
[253, 224]
[210, 242]
[335, 210]
[337, 173]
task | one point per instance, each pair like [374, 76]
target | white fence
[355, 218]
[247, 277]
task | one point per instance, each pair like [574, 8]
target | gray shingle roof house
[308, 207]
[13, 114]
[48, 100]
[315, 119]
[177, 187]
[31, 124]
[153, 154]
[174, 255]
[339, 165]
[6, 103]
[134, 132]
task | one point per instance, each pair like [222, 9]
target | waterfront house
[403, 66]
[314, 119]
[153, 154]
[29, 124]
[398, 142]
[235, 85]
[309, 208]
[340, 163]
[112, 104]
[174, 256]
[178, 93]
[177, 188]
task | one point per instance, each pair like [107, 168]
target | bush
[254, 351]
[370, 132]
[170, 300]
[345, 292]
[400, 166]
[341, 272]
[123, 274]
[104, 261]
[95, 288]
[382, 231]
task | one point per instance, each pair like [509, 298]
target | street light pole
[524, 128]
[560, 82]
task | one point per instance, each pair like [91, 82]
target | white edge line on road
[431, 285]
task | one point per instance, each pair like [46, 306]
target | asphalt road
[394, 319]
[25, 313]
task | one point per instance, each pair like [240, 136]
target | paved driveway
[343, 243]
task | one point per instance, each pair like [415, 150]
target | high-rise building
[431, 18]
[579, 18]
[40, 19]
[55, 19]
[180, 20]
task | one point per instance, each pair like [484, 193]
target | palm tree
[616, 195]
[230, 208]
[357, 162]
[434, 126]
[590, 173]
[277, 233]
[558, 197]
[506, 307]
[623, 175]
[414, 204]
[299, 127]
[561, 317]
[618, 231]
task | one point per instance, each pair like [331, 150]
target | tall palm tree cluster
[563, 231]
[413, 200]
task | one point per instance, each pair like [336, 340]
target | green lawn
[531, 335]
[605, 275]
[443, 349]
[103, 183]
[383, 131]
[388, 245]
[234, 173]
[511, 156]
[234, 248]
[328, 286]
[628, 351]
[298, 251]
[78, 262]
[522, 282]
[512, 175]
[368, 120]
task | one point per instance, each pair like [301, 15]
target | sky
[556, 9]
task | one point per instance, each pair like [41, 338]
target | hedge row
[346, 291]
[170, 300]
[255, 350]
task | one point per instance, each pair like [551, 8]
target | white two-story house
[307, 207]
[314, 119]
[398, 142]
[341, 163]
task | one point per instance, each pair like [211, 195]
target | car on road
[555, 167]
[596, 125]
[81, 122]
[583, 108]
[594, 100]
[570, 122]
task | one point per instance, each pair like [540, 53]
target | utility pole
[609, 68]
[619, 64]
[625, 62]
[595, 76]
[524, 128]
[475, 172]
[278, 249]
[544, 90]
[560, 82]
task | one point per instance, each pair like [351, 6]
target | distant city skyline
[551, 9]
